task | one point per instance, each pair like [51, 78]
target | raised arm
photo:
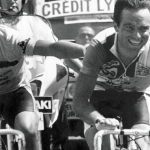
[61, 49]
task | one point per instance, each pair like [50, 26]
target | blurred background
[67, 16]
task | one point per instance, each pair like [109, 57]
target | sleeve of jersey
[26, 44]
[93, 59]
[17, 42]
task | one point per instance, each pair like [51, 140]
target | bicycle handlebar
[18, 134]
[99, 135]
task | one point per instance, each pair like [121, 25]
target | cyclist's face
[12, 6]
[134, 30]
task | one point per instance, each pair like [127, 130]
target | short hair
[121, 5]
[24, 1]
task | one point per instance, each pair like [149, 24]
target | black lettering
[98, 5]
[108, 4]
[43, 10]
[74, 6]
[88, 4]
[55, 8]
[81, 6]
[65, 6]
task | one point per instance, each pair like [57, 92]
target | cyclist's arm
[60, 49]
[22, 45]
[84, 87]
[93, 60]
[74, 64]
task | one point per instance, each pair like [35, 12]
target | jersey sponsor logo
[111, 84]
[5, 64]
[142, 70]
[23, 44]
[110, 69]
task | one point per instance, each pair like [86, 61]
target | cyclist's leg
[20, 112]
[27, 122]
[27, 119]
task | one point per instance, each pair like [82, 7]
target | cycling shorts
[15, 102]
[131, 107]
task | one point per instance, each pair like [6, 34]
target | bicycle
[131, 132]
[19, 137]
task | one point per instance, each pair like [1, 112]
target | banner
[63, 8]
[44, 104]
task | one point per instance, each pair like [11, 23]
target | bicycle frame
[99, 135]
[20, 139]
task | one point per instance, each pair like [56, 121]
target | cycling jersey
[102, 59]
[32, 26]
[56, 75]
[13, 47]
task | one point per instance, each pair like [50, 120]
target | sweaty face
[85, 35]
[134, 30]
[11, 7]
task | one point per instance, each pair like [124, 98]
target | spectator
[84, 35]
[117, 61]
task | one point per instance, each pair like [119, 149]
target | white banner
[62, 8]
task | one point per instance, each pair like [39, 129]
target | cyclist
[115, 56]
[16, 99]
[16, 103]
[13, 16]
[84, 35]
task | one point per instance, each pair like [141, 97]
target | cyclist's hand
[106, 123]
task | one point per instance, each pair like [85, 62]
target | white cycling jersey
[38, 27]
[13, 48]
